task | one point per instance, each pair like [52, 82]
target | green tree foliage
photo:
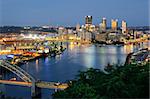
[130, 81]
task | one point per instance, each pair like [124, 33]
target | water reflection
[37, 65]
[128, 48]
[46, 60]
[89, 57]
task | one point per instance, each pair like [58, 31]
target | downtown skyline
[69, 13]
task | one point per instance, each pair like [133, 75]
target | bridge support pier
[35, 91]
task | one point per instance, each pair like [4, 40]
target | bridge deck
[51, 85]
[42, 84]
[20, 83]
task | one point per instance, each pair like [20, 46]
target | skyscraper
[88, 20]
[88, 24]
[78, 27]
[103, 24]
[114, 24]
[124, 26]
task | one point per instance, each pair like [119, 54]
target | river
[66, 66]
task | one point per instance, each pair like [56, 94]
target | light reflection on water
[37, 65]
[66, 66]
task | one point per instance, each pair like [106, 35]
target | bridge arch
[17, 70]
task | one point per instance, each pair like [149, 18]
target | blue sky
[71, 12]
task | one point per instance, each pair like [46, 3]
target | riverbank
[139, 57]
[26, 56]
[136, 42]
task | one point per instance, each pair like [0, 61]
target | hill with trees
[130, 81]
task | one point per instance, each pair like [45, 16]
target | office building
[114, 24]
[103, 24]
[78, 27]
[124, 27]
[88, 20]
[88, 24]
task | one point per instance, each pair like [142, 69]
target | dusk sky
[71, 12]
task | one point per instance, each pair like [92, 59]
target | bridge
[28, 80]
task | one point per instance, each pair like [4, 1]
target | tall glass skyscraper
[88, 20]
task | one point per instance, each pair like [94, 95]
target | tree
[129, 81]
